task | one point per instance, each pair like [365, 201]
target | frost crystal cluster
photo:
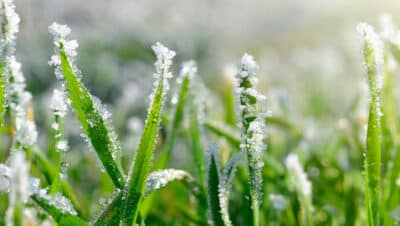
[58, 201]
[252, 123]
[61, 43]
[10, 27]
[373, 55]
[17, 100]
[59, 105]
[161, 178]
[19, 185]
[298, 176]
[189, 68]
[163, 64]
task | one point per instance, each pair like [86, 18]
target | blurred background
[309, 54]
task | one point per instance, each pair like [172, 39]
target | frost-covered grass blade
[137, 179]
[88, 113]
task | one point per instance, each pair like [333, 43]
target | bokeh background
[309, 54]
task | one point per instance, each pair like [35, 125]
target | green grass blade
[213, 186]
[176, 121]
[372, 166]
[62, 218]
[373, 54]
[198, 155]
[197, 147]
[139, 171]
[58, 136]
[92, 122]
[111, 215]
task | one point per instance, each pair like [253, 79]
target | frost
[60, 33]
[59, 30]
[10, 20]
[5, 174]
[17, 98]
[57, 200]
[163, 64]
[373, 48]
[59, 103]
[248, 66]
[252, 122]
[223, 196]
[62, 145]
[189, 68]
[27, 134]
[161, 178]
[298, 176]
[19, 184]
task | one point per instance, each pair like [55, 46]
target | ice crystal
[57, 200]
[161, 178]
[5, 174]
[298, 176]
[163, 64]
[59, 103]
[27, 134]
[17, 98]
[248, 66]
[19, 183]
[189, 68]
[373, 53]
[62, 44]
[10, 21]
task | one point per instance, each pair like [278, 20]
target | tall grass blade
[139, 171]
[213, 192]
[90, 116]
[373, 57]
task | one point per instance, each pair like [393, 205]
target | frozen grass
[239, 175]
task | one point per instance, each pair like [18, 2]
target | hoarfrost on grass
[161, 178]
[373, 48]
[59, 103]
[298, 176]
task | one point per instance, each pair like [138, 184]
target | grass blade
[188, 71]
[62, 218]
[373, 57]
[213, 192]
[90, 116]
[136, 185]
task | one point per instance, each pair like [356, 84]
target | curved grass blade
[198, 154]
[213, 192]
[176, 121]
[62, 218]
[92, 121]
[135, 188]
